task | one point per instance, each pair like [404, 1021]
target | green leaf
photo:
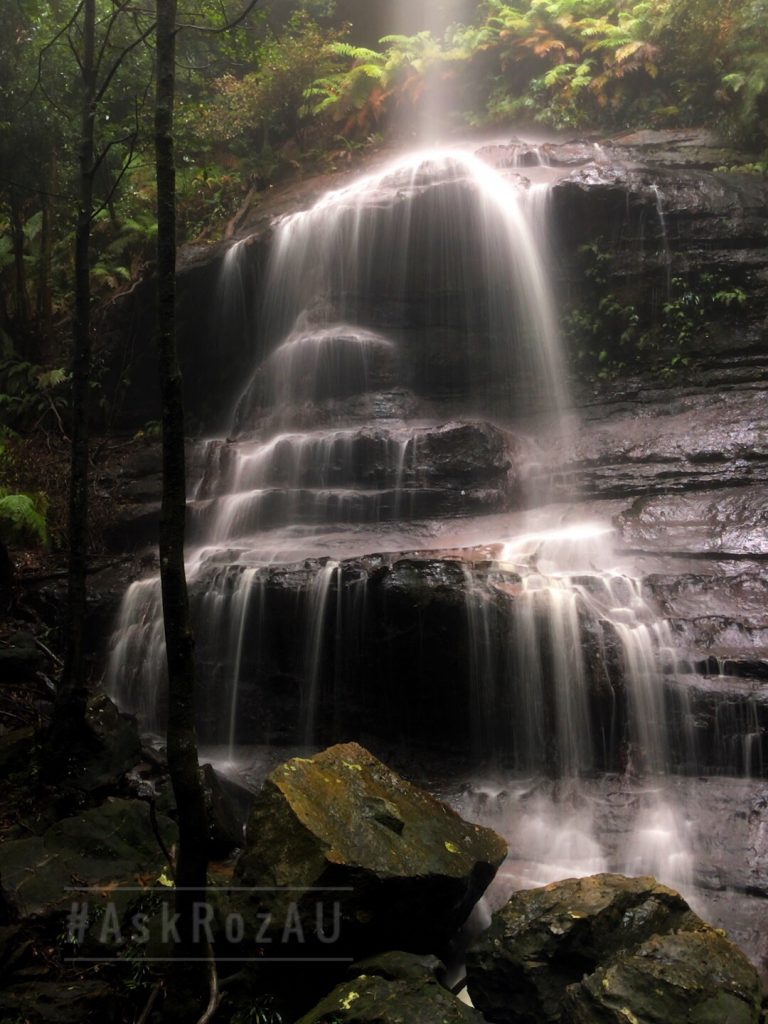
[20, 520]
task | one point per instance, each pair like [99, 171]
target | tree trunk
[21, 298]
[6, 579]
[44, 289]
[192, 858]
[73, 693]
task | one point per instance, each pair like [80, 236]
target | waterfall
[319, 595]
[429, 226]
[381, 505]
[336, 428]
[659, 199]
[382, 545]
[566, 583]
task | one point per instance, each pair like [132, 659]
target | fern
[359, 53]
[21, 520]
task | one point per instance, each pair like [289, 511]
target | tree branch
[117, 10]
[120, 58]
[132, 139]
[214, 1000]
[64, 31]
[223, 28]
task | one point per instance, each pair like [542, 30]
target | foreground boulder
[106, 845]
[677, 978]
[66, 1002]
[396, 988]
[397, 868]
[604, 948]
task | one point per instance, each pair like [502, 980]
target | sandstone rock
[405, 868]
[546, 939]
[728, 522]
[107, 844]
[676, 978]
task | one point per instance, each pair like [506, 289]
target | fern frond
[20, 520]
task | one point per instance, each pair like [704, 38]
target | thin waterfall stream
[391, 458]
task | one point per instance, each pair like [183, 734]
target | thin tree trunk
[192, 858]
[44, 289]
[73, 692]
[43, 260]
[21, 298]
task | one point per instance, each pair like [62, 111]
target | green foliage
[287, 90]
[372, 84]
[262, 1011]
[275, 102]
[22, 519]
[151, 431]
[31, 396]
[572, 63]
[40, 95]
[608, 333]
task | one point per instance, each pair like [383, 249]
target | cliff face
[671, 446]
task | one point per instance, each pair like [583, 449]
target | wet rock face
[726, 523]
[724, 211]
[649, 440]
[610, 946]
[406, 869]
[356, 474]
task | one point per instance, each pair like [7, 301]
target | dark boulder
[70, 1001]
[546, 939]
[105, 845]
[21, 659]
[395, 988]
[16, 751]
[225, 826]
[677, 978]
[404, 869]
[112, 747]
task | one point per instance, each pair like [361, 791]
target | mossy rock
[108, 845]
[405, 869]
[392, 989]
[549, 938]
[682, 978]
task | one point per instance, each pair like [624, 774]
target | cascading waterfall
[330, 429]
[559, 587]
[407, 362]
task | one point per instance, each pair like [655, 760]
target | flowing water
[407, 364]
[664, 239]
